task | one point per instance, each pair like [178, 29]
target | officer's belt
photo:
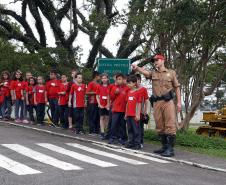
[166, 97]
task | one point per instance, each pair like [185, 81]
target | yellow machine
[216, 126]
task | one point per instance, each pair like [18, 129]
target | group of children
[116, 111]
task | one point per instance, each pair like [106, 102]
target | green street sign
[112, 66]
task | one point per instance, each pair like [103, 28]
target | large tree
[192, 35]
[102, 15]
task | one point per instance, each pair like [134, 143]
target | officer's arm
[143, 71]
[176, 85]
[178, 95]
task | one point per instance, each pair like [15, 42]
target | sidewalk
[185, 157]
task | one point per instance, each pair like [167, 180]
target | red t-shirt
[69, 89]
[112, 96]
[103, 92]
[144, 96]
[18, 87]
[5, 88]
[40, 93]
[119, 103]
[25, 83]
[133, 98]
[63, 99]
[92, 87]
[30, 91]
[79, 92]
[52, 88]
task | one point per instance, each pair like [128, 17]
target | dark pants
[108, 135]
[6, 108]
[118, 126]
[31, 109]
[26, 111]
[54, 108]
[94, 118]
[19, 109]
[133, 131]
[64, 116]
[40, 112]
[78, 115]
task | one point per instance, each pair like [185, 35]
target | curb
[198, 165]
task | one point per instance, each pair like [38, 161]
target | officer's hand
[178, 107]
[134, 67]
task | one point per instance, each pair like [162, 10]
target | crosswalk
[93, 157]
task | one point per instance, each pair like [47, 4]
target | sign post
[112, 66]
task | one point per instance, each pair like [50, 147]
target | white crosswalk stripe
[106, 154]
[76, 155]
[15, 167]
[133, 154]
[19, 168]
[41, 157]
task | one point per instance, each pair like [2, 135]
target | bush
[191, 139]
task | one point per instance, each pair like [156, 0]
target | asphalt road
[31, 158]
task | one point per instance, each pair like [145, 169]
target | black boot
[163, 141]
[169, 152]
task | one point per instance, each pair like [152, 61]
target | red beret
[156, 57]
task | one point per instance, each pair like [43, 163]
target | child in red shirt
[28, 75]
[93, 110]
[132, 115]
[5, 95]
[70, 109]
[118, 95]
[17, 88]
[103, 99]
[144, 106]
[78, 91]
[63, 101]
[30, 99]
[52, 87]
[40, 100]
[108, 134]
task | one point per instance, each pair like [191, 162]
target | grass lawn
[190, 141]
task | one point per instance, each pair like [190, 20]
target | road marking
[41, 157]
[15, 167]
[134, 154]
[76, 155]
[106, 154]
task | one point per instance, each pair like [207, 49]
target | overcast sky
[110, 41]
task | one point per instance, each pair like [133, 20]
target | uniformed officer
[164, 82]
